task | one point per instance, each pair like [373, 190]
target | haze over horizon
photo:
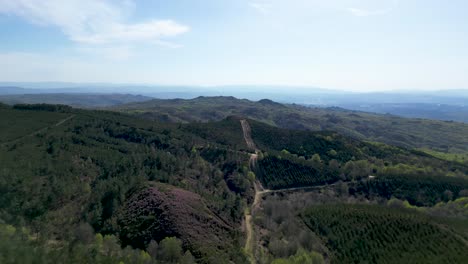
[340, 45]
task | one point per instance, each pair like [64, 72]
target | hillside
[62, 170]
[295, 158]
[438, 111]
[73, 181]
[303, 158]
[83, 100]
[160, 211]
[363, 233]
[441, 136]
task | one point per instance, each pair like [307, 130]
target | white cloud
[262, 7]
[363, 12]
[152, 30]
[388, 7]
[93, 22]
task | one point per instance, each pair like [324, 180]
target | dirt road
[248, 135]
[259, 192]
[249, 243]
[38, 131]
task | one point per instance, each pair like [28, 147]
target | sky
[355, 45]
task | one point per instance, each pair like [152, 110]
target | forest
[233, 132]
[375, 234]
[87, 169]
[105, 187]
[441, 136]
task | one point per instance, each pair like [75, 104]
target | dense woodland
[440, 136]
[87, 170]
[417, 190]
[302, 158]
[375, 234]
[106, 187]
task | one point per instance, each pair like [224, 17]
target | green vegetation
[106, 187]
[283, 229]
[76, 100]
[453, 213]
[20, 246]
[227, 132]
[281, 234]
[304, 158]
[17, 124]
[276, 173]
[417, 190]
[457, 208]
[327, 145]
[44, 107]
[443, 136]
[375, 234]
[63, 169]
[302, 257]
[458, 157]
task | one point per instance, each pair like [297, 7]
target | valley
[237, 189]
[233, 132]
[388, 129]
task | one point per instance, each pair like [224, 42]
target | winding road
[249, 243]
[259, 192]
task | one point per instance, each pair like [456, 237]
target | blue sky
[362, 45]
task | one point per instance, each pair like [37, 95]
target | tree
[187, 258]
[343, 188]
[448, 195]
[251, 176]
[316, 162]
[170, 250]
[302, 257]
[334, 165]
[110, 246]
[316, 159]
[355, 170]
[84, 233]
[153, 249]
[463, 193]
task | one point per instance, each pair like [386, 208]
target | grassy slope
[458, 157]
[411, 133]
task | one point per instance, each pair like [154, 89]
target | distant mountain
[147, 90]
[7, 90]
[447, 112]
[450, 105]
[76, 100]
[284, 94]
[411, 133]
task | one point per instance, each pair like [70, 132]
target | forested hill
[66, 174]
[442, 136]
[83, 100]
[101, 187]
